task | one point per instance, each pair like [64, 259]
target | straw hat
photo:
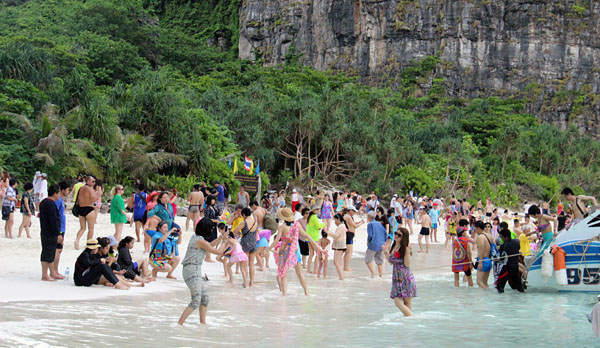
[286, 214]
[92, 244]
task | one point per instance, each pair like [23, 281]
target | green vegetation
[153, 90]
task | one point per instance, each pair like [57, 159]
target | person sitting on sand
[161, 257]
[107, 252]
[136, 271]
[92, 269]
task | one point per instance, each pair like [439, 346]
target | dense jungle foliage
[154, 90]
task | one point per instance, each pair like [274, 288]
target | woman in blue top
[162, 258]
[163, 210]
[139, 208]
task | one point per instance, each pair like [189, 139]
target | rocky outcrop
[546, 52]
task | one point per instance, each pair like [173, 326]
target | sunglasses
[399, 234]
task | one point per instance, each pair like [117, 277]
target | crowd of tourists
[298, 232]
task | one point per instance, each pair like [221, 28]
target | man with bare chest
[86, 197]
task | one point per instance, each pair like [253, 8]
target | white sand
[20, 270]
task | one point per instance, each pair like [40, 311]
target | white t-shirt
[398, 207]
[295, 197]
[297, 216]
[36, 185]
[43, 189]
[393, 203]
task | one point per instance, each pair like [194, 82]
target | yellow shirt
[236, 223]
[525, 248]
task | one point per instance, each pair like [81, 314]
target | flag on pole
[235, 166]
[251, 166]
[229, 162]
[258, 168]
[247, 164]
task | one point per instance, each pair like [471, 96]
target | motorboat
[581, 245]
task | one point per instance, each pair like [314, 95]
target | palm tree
[136, 159]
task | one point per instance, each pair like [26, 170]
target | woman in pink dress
[287, 249]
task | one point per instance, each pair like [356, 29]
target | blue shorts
[486, 264]
[434, 225]
[263, 242]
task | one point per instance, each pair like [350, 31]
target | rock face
[545, 51]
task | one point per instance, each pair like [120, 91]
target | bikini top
[542, 227]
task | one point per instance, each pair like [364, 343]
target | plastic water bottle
[67, 271]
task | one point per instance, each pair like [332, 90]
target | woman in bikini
[544, 225]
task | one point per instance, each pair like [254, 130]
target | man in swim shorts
[484, 247]
[425, 226]
[196, 200]
[86, 197]
[376, 237]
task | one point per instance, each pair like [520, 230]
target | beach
[356, 312]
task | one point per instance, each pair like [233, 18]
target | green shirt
[116, 210]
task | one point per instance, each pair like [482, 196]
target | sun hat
[44, 175]
[285, 214]
[92, 244]
[352, 208]
[149, 198]
[113, 240]
[294, 190]
[38, 173]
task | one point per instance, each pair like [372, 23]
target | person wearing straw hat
[287, 249]
[91, 269]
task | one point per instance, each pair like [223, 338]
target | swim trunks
[48, 248]
[434, 226]
[6, 211]
[488, 214]
[303, 246]
[424, 231]
[349, 238]
[85, 211]
[486, 264]
[194, 209]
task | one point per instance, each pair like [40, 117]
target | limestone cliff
[546, 52]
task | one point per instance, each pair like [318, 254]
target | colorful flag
[247, 163]
[251, 166]
[258, 168]
[235, 166]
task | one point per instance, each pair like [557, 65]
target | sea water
[356, 312]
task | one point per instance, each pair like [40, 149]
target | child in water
[322, 258]
[236, 255]
[224, 258]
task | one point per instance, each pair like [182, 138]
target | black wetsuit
[510, 271]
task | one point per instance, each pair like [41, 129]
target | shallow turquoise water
[358, 313]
